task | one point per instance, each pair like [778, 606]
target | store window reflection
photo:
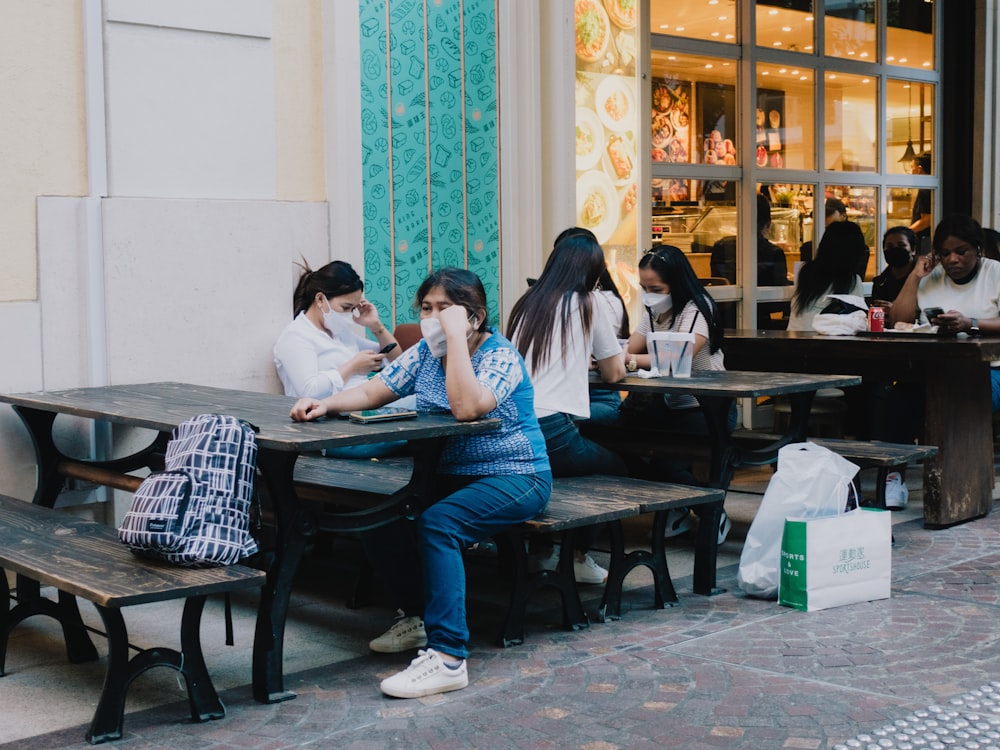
[909, 118]
[784, 117]
[850, 30]
[786, 24]
[910, 33]
[850, 122]
[857, 204]
[714, 20]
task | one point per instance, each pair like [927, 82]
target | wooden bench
[575, 503]
[85, 559]
[867, 454]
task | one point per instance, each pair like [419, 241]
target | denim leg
[573, 455]
[995, 388]
[477, 511]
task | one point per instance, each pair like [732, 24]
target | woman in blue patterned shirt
[486, 482]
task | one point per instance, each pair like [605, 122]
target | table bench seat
[85, 559]
[575, 503]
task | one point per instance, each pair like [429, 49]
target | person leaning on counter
[958, 280]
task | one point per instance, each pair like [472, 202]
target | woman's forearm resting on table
[370, 395]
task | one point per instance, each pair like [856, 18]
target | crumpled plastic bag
[844, 315]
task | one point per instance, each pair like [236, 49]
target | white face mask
[435, 336]
[657, 303]
[337, 323]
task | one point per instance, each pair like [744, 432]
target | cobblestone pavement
[715, 672]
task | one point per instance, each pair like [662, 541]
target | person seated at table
[674, 300]
[957, 279]
[899, 247]
[485, 482]
[834, 270]
[604, 405]
[557, 326]
[319, 353]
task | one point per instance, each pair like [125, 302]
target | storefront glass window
[714, 20]
[786, 24]
[914, 208]
[909, 115]
[850, 29]
[784, 117]
[910, 33]
[850, 122]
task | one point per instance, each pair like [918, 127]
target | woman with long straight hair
[558, 326]
[834, 270]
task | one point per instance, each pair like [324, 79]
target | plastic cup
[681, 354]
[658, 346]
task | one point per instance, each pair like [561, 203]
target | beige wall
[42, 131]
[297, 38]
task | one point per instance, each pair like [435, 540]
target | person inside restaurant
[899, 248]
[558, 325]
[486, 482]
[834, 270]
[835, 211]
[920, 223]
[955, 287]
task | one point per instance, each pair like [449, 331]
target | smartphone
[387, 348]
[384, 414]
[933, 312]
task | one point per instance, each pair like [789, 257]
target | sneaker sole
[409, 646]
[425, 692]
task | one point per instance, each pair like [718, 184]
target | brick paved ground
[719, 672]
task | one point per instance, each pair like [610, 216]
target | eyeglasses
[960, 251]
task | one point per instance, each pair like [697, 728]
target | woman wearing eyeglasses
[956, 279]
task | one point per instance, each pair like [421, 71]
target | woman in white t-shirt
[832, 271]
[604, 405]
[319, 353]
[674, 300]
[558, 325]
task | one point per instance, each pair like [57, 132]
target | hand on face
[366, 314]
[925, 264]
[455, 321]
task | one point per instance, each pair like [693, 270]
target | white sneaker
[897, 496]
[544, 560]
[426, 675]
[406, 633]
[725, 526]
[678, 522]
[588, 571]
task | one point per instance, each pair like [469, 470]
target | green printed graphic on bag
[793, 586]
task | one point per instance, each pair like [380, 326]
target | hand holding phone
[388, 348]
[933, 312]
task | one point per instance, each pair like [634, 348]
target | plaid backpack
[196, 512]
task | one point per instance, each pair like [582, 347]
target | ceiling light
[926, 63]
[902, 60]
[782, 70]
[809, 19]
[722, 18]
[708, 66]
[803, 78]
[863, 54]
[664, 25]
[909, 154]
[808, 48]
[765, 73]
[866, 80]
[786, 29]
[733, 36]
[772, 12]
[890, 58]
[715, 33]
[795, 72]
[680, 28]
[777, 44]
[831, 77]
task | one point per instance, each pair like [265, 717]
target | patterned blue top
[517, 447]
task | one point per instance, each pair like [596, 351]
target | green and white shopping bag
[836, 560]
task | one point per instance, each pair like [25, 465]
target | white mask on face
[435, 336]
[337, 323]
[657, 303]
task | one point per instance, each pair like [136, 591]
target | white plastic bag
[851, 316]
[811, 481]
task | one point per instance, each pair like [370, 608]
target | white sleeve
[298, 368]
[605, 341]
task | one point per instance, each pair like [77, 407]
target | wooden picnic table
[716, 392]
[955, 372]
[280, 441]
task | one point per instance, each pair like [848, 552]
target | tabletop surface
[870, 346]
[162, 406]
[731, 383]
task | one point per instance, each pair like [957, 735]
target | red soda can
[876, 319]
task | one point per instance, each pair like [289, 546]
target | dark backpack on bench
[196, 512]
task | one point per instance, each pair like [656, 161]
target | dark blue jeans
[421, 561]
[573, 455]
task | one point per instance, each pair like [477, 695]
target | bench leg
[707, 549]
[622, 564]
[524, 585]
[79, 647]
[190, 662]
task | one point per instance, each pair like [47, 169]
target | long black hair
[334, 279]
[835, 267]
[674, 270]
[573, 268]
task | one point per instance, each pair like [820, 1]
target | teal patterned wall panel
[429, 146]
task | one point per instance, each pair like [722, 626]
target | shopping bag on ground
[829, 562]
[811, 481]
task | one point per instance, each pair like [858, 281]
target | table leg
[294, 527]
[958, 481]
[39, 424]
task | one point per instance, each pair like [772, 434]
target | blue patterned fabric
[518, 447]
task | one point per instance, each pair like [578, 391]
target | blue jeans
[422, 561]
[573, 455]
[604, 406]
[995, 388]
